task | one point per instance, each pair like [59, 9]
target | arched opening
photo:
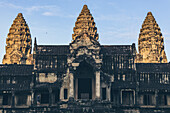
[84, 81]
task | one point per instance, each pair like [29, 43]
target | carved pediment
[85, 40]
[85, 48]
[15, 58]
[16, 52]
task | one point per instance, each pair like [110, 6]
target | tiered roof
[19, 43]
[85, 23]
[151, 42]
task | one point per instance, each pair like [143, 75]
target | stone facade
[87, 77]
[151, 42]
[19, 43]
[84, 47]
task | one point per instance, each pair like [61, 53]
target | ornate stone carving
[151, 42]
[84, 47]
[19, 43]
[85, 22]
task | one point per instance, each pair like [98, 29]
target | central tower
[84, 56]
[85, 23]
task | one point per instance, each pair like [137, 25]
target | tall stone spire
[18, 43]
[151, 42]
[85, 23]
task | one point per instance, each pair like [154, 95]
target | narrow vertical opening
[5, 99]
[103, 93]
[65, 93]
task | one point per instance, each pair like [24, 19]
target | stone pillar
[76, 89]
[32, 98]
[97, 84]
[71, 86]
[108, 92]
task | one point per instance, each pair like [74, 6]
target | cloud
[46, 10]
[48, 14]
[9, 5]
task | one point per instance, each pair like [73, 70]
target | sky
[52, 21]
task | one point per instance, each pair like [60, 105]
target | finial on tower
[19, 14]
[149, 13]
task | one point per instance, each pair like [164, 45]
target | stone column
[71, 86]
[32, 98]
[97, 84]
[76, 89]
[108, 93]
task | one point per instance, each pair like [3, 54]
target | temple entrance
[84, 88]
[84, 81]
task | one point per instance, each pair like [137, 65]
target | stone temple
[151, 42]
[85, 76]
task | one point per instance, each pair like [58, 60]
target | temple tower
[85, 22]
[151, 42]
[18, 43]
[84, 60]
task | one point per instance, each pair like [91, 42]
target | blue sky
[52, 21]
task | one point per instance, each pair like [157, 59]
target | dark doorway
[84, 81]
[5, 99]
[84, 88]
[44, 98]
[103, 93]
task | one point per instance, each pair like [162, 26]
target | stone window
[127, 97]
[6, 99]
[141, 77]
[148, 99]
[162, 99]
[21, 100]
[164, 78]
